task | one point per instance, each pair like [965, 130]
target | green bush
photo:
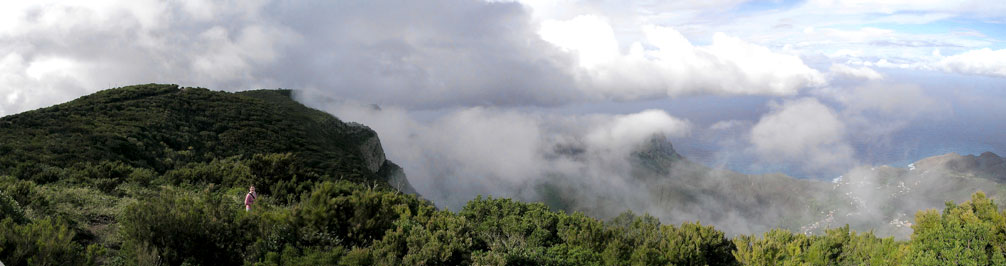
[440, 239]
[42, 242]
[230, 172]
[203, 228]
[351, 215]
[972, 233]
[280, 175]
[27, 194]
[10, 209]
[504, 224]
[107, 175]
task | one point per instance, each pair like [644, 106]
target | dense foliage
[161, 202]
[164, 127]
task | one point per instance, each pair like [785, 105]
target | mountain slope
[666, 184]
[162, 127]
[671, 187]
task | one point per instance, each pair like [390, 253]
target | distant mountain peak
[656, 154]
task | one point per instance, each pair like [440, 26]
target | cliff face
[373, 158]
[369, 147]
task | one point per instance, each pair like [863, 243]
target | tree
[972, 233]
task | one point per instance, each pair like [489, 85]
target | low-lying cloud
[805, 131]
[488, 151]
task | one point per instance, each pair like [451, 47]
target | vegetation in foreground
[341, 222]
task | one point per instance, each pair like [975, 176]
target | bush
[10, 209]
[838, 246]
[43, 242]
[107, 175]
[972, 233]
[202, 228]
[26, 194]
[230, 172]
[441, 239]
[354, 215]
[505, 224]
[280, 175]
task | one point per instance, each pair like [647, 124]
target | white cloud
[59, 50]
[847, 71]
[966, 7]
[729, 125]
[877, 110]
[590, 37]
[417, 55]
[984, 61]
[805, 132]
[622, 132]
[673, 66]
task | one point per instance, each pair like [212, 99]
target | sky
[472, 97]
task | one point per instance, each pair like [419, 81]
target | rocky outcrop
[369, 146]
[372, 153]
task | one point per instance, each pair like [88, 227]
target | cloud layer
[438, 54]
[673, 66]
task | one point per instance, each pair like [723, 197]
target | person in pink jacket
[250, 198]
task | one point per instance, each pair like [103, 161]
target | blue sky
[475, 94]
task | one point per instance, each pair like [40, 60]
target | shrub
[26, 194]
[10, 209]
[42, 242]
[357, 215]
[441, 239]
[203, 228]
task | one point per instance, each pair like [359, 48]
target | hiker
[250, 198]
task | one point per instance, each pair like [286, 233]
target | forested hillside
[156, 174]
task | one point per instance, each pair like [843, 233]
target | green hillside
[156, 175]
[162, 127]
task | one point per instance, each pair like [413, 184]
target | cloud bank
[984, 61]
[673, 66]
[430, 55]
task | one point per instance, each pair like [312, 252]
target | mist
[605, 164]
[506, 153]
